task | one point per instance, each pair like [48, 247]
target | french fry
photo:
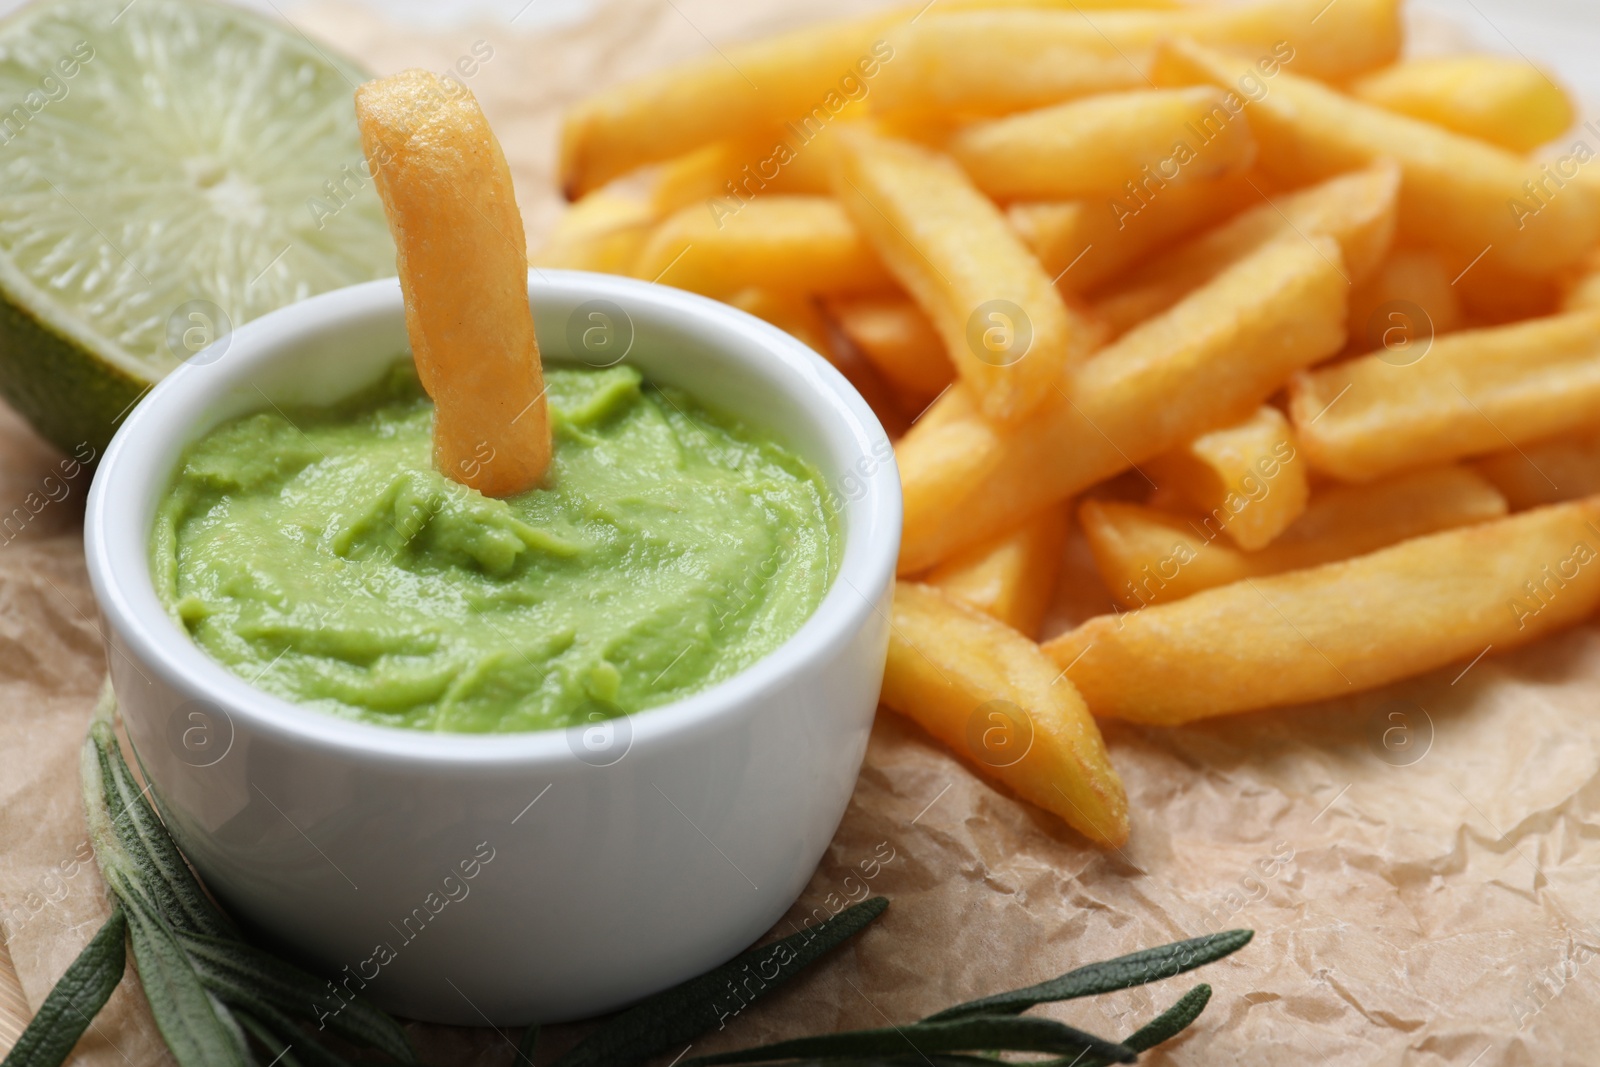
[794, 314]
[1456, 193]
[1004, 325]
[1358, 210]
[988, 693]
[1247, 479]
[1474, 392]
[1082, 243]
[809, 78]
[726, 175]
[603, 231]
[1549, 472]
[463, 265]
[1146, 556]
[944, 64]
[1505, 101]
[1342, 627]
[896, 337]
[798, 244]
[1408, 301]
[977, 61]
[998, 61]
[1096, 146]
[799, 316]
[1492, 295]
[1012, 577]
[956, 405]
[1580, 290]
[1207, 362]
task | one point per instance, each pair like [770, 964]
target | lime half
[169, 169]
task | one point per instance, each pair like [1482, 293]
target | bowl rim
[130, 469]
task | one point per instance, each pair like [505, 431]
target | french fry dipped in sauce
[463, 269]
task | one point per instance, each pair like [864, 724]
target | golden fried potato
[1004, 325]
[1342, 627]
[726, 175]
[1358, 210]
[990, 695]
[794, 314]
[603, 231]
[1493, 295]
[1506, 101]
[1580, 288]
[1548, 472]
[1247, 479]
[463, 264]
[795, 244]
[1146, 556]
[799, 316]
[1096, 146]
[944, 64]
[1408, 301]
[897, 338]
[812, 78]
[1457, 193]
[954, 405]
[1002, 60]
[1472, 393]
[1013, 576]
[1208, 362]
[1082, 243]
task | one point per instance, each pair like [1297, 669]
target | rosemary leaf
[663, 1022]
[989, 1033]
[269, 1041]
[145, 841]
[277, 1033]
[1137, 968]
[1172, 1022]
[1167, 1025]
[184, 1012]
[242, 976]
[118, 831]
[80, 994]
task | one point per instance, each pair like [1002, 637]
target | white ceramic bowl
[507, 878]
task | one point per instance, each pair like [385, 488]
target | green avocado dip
[317, 554]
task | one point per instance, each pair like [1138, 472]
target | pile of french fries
[1300, 333]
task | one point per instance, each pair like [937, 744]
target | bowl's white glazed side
[618, 879]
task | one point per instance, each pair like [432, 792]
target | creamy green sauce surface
[317, 554]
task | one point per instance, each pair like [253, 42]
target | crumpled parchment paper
[1421, 864]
